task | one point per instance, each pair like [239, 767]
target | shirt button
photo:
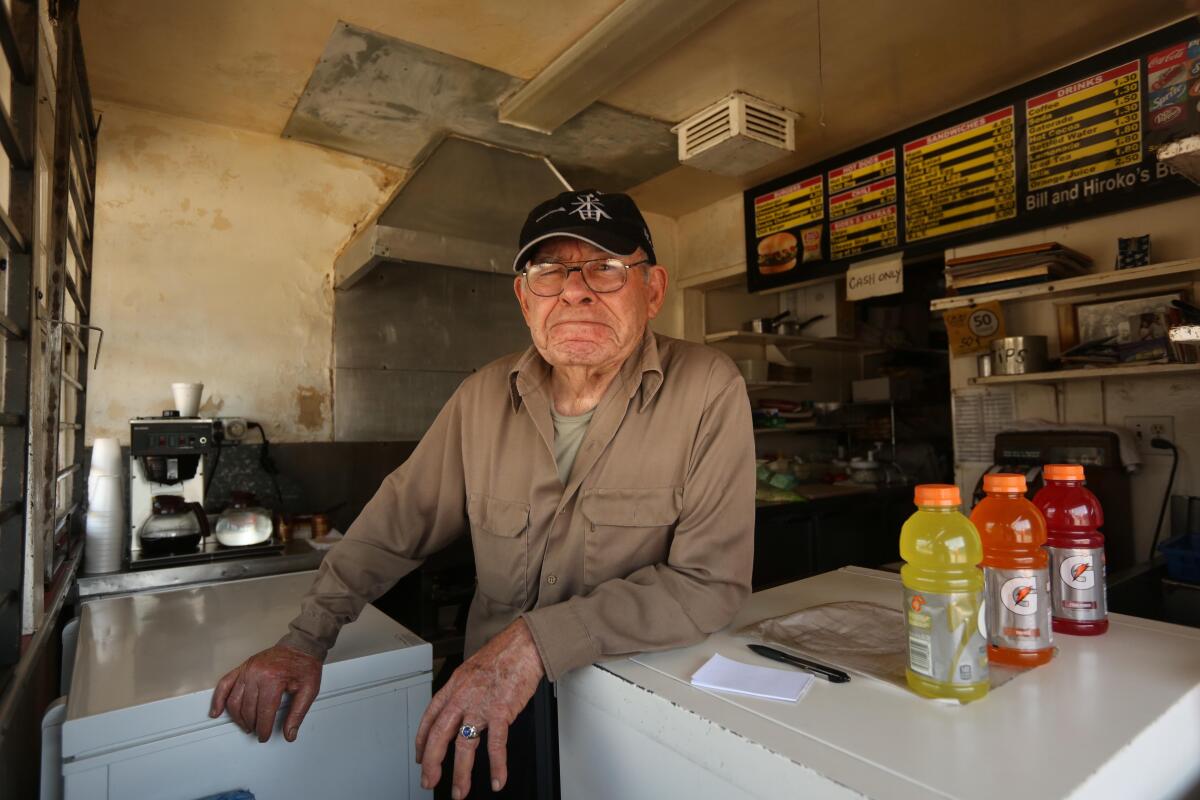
[553, 579]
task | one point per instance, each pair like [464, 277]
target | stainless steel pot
[1018, 355]
[795, 327]
[766, 324]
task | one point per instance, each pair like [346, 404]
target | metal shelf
[1091, 373]
[1098, 282]
[781, 341]
[759, 385]
[798, 427]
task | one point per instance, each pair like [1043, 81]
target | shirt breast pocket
[499, 535]
[627, 529]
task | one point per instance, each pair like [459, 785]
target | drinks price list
[1078, 142]
[1091, 126]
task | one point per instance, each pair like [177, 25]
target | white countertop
[1116, 715]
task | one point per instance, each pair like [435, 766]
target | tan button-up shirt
[648, 546]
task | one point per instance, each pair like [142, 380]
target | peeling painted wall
[214, 254]
[670, 318]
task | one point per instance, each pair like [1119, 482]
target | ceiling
[868, 68]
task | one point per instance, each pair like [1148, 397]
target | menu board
[862, 205]
[865, 170]
[961, 177]
[799, 204]
[1078, 142]
[1088, 127]
[792, 211]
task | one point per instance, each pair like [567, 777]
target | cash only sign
[1078, 142]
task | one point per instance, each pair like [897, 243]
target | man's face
[583, 328]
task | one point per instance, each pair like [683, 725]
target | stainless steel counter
[297, 556]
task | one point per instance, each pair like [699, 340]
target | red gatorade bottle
[1073, 520]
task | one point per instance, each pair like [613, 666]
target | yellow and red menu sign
[862, 171]
[1087, 127]
[1077, 142]
[960, 177]
[789, 207]
[862, 205]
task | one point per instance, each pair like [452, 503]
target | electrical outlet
[1147, 428]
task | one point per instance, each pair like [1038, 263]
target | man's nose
[575, 289]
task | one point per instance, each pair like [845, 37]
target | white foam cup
[106, 457]
[187, 398]
[104, 494]
[102, 543]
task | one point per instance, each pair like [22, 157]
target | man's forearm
[353, 574]
[655, 608]
[417, 510]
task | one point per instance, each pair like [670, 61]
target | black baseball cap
[611, 222]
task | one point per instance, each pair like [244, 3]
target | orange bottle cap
[1063, 472]
[937, 494]
[1004, 482]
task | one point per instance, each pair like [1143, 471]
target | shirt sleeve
[706, 576]
[418, 510]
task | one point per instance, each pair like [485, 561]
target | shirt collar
[642, 370]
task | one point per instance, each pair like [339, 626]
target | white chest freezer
[1114, 716]
[137, 723]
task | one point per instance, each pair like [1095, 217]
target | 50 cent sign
[972, 330]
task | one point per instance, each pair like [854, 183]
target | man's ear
[656, 288]
[519, 291]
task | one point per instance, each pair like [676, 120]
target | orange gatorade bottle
[1016, 573]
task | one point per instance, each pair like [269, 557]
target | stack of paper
[727, 675]
[1017, 266]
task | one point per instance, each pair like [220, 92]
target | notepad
[726, 675]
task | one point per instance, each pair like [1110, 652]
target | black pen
[829, 673]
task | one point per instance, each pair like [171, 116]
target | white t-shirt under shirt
[568, 435]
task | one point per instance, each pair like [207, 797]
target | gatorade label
[947, 637]
[1018, 614]
[1077, 575]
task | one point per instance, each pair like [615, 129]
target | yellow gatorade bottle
[943, 598]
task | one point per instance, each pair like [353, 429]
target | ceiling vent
[737, 135]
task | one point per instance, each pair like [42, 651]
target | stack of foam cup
[105, 521]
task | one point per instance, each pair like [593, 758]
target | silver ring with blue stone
[470, 731]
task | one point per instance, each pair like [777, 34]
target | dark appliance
[1024, 452]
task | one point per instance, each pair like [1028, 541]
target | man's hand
[252, 692]
[489, 689]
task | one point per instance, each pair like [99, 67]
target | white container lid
[147, 663]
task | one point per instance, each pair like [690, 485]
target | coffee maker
[166, 457]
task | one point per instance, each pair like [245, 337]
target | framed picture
[1113, 317]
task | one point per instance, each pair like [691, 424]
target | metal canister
[1018, 355]
[985, 365]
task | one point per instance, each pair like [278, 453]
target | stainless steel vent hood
[463, 207]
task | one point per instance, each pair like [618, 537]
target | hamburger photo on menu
[776, 253]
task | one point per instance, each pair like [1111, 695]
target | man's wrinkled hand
[252, 692]
[488, 690]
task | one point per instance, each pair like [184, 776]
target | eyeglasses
[601, 275]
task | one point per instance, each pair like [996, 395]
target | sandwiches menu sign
[1075, 143]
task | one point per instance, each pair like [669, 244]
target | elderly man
[606, 477]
